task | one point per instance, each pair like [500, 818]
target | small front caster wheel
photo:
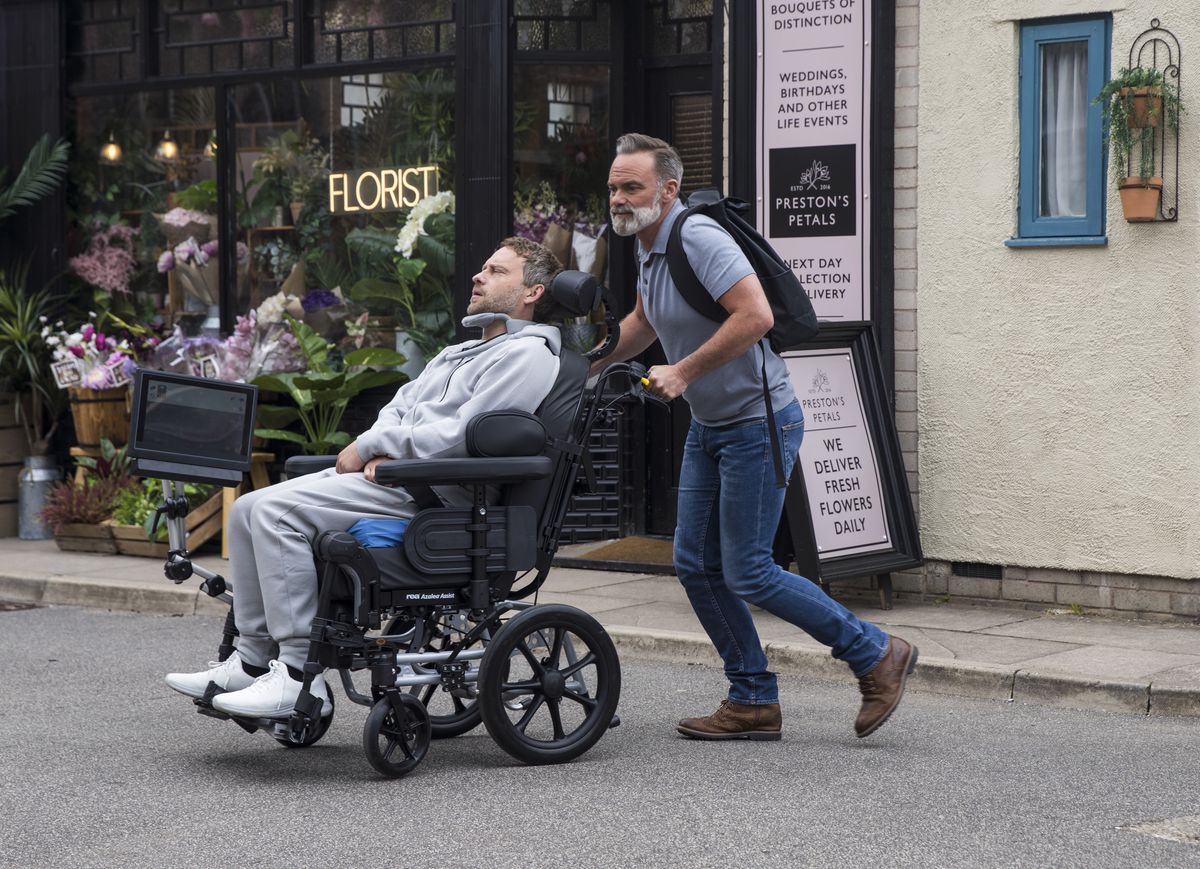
[396, 737]
[313, 733]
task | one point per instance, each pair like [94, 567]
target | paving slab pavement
[1030, 656]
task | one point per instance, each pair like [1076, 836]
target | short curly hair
[541, 267]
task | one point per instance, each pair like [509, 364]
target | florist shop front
[264, 191]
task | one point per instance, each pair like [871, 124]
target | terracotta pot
[296, 208]
[1145, 106]
[1139, 198]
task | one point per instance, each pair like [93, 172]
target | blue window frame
[1063, 66]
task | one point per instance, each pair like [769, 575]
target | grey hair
[667, 165]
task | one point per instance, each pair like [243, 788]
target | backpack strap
[694, 293]
[776, 445]
[684, 276]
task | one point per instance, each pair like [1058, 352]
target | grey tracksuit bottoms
[274, 576]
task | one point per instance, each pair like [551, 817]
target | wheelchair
[442, 622]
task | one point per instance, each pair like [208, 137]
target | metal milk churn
[33, 484]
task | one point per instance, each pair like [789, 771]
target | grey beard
[630, 224]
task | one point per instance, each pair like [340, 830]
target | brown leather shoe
[760, 722]
[883, 687]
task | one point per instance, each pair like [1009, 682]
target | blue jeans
[729, 508]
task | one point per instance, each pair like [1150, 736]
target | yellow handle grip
[645, 381]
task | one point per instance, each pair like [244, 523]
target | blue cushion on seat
[379, 533]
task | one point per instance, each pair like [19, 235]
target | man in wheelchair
[272, 531]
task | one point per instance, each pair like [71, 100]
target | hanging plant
[1136, 103]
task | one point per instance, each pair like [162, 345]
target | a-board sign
[837, 457]
[813, 147]
[848, 507]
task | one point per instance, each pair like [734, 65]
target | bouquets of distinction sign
[813, 138]
[838, 456]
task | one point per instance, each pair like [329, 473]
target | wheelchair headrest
[578, 292]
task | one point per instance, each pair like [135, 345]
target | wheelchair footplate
[300, 729]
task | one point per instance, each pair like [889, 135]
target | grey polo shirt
[733, 392]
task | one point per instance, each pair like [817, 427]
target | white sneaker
[228, 675]
[271, 696]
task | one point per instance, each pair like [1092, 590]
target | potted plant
[25, 369]
[321, 392]
[95, 367]
[132, 523]
[1134, 103]
[23, 356]
[78, 510]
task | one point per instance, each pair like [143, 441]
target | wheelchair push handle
[638, 381]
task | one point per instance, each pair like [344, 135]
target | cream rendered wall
[1059, 412]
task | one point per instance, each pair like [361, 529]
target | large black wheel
[549, 684]
[310, 738]
[396, 741]
[451, 713]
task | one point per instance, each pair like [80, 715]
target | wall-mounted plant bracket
[1157, 48]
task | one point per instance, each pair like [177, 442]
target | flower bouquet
[180, 224]
[95, 368]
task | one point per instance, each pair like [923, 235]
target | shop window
[1062, 163]
[562, 25]
[142, 180]
[345, 206]
[346, 30]
[561, 152]
[224, 36]
[680, 27]
[103, 41]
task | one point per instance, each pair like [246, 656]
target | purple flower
[317, 299]
[166, 262]
[209, 248]
[98, 378]
[76, 351]
[87, 332]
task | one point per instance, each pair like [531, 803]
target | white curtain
[1064, 129]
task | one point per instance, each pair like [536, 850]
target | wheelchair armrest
[439, 472]
[298, 466]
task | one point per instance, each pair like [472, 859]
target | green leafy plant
[276, 258]
[87, 503]
[113, 461]
[201, 196]
[43, 169]
[1117, 100]
[136, 505]
[414, 290]
[322, 392]
[25, 357]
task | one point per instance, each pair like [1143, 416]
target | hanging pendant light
[110, 151]
[167, 150]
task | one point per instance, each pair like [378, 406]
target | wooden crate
[86, 538]
[203, 523]
[13, 450]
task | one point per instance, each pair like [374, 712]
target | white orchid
[406, 239]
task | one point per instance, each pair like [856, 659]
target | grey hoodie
[428, 417]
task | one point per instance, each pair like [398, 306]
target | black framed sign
[848, 511]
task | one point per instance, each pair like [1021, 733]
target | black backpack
[795, 319]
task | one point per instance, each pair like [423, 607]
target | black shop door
[679, 108]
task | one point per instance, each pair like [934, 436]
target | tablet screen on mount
[197, 420]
